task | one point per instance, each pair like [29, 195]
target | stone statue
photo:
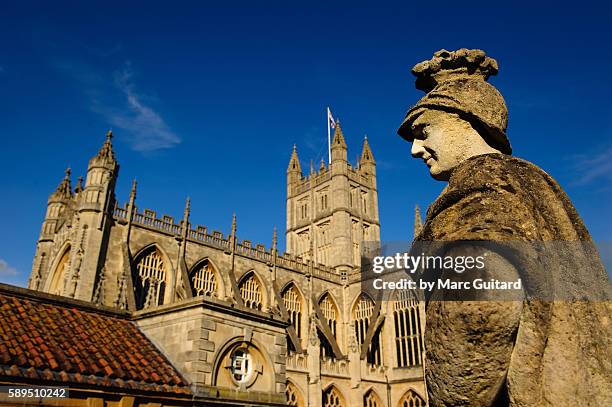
[537, 350]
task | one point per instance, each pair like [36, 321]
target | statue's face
[443, 140]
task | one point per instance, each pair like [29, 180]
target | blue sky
[207, 101]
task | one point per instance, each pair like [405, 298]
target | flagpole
[328, 137]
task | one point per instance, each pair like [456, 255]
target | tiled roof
[49, 338]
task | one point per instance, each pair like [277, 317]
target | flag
[332, 122]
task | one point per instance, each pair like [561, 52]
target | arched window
[362, 314]
[294, 398]
[150, 278]
[407, 322]
[332, 398]
[370, 399]
[411, 399]
[59, 276]
[330, 313]
[204, 280]
[293, 303]
[250, 291]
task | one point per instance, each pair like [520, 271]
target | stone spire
[294, 162]
[338, 140]
[367, 164]
[133, 191]
[366, 152]
[339, 149]
[418, 222]
[64, 189]
[106, 152]
[322, 165]
[274, 239]
[187, 210]
[79, 186]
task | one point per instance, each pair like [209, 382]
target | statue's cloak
[560, 348]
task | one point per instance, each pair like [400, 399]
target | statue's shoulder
[492, 171]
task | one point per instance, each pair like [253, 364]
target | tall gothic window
[370, 399]
[411, 399]
[362, 314]
[294, 398]
[204, 280]
[293, 303]
[150, 279]
[407, 322]
[332, 398]
[59, 276]
[250, 291]
[330, 313]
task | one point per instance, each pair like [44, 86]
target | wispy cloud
[114, 95]
[6, 269]
[592, 167]
[145, 128]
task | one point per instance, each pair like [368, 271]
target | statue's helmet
[456, 82]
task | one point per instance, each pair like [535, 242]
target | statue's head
[460, 116]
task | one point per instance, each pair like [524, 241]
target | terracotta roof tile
[48, 341]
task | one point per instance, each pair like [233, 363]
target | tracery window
[293, 304]
[150, 279]
[332, 398]
[411, 399]
[370, 399]
[407, 322]
[59, 277]
[294, 398]
[330, 313]
[251, 293]
[204, 280]
[362, 314]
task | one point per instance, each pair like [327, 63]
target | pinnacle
[338, 136]
[366, 152]
[64, 189]
[294, 162]
[106, 151]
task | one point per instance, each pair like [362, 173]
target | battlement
[324, 175]
[201, 235]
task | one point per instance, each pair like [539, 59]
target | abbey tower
[330, 212]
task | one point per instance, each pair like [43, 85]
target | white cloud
[123, 106]
[6, 270]
[594, 166]
[143, 127]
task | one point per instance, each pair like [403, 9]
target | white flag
[332, 122]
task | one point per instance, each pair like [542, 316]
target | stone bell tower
[71, 247]
[332, 210]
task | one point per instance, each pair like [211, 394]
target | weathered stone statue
[551, 346]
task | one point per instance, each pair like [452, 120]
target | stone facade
[240, 321]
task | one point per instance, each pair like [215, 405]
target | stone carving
[353, 345]
[313, 335]
[98, 297]
[531, 352]
[76, 272]
[151, 299]
[121, 301]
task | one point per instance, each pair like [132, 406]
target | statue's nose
[417, 149]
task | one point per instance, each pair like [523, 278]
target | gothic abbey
[240, 323]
